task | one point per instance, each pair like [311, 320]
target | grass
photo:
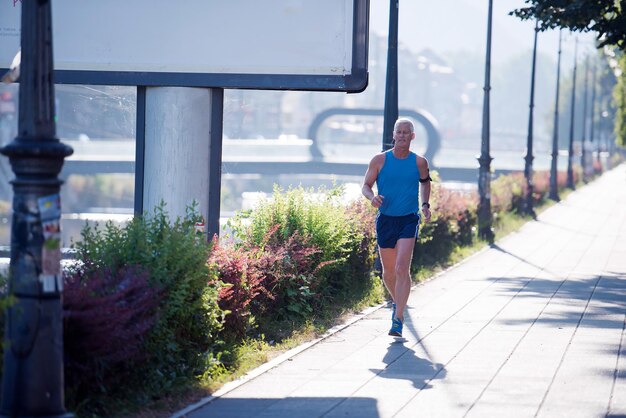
[258, 351]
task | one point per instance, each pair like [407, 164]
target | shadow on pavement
[285, 408]
[564, 228]
[605, 296]
[498, 248]
[403, 363]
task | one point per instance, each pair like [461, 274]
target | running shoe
[396, 327]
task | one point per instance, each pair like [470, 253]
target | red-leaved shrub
[106, 317]
[276, 280]
[244, 280]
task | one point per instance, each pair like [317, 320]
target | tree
[605, 17]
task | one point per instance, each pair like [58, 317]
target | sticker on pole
[50, 212]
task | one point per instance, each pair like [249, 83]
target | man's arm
[370, 178]
[425, 180]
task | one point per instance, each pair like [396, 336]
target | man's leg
[404, 254]
[388, 261]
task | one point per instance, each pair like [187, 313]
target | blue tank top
[398, 183]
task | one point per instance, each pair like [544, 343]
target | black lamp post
[485, 217]
[528, 167]
[570, 153]
[593, 116]
[32, 380]
[391, 86]
[583, 139]
[554, 186]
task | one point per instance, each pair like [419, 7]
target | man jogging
[399, 175]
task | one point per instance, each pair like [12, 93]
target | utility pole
[32, 380]
[391, 87]
[485, 217]
[528, 167]
[554, 186]
[570, 154]
[583, 140]
[593, 117]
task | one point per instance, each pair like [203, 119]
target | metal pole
[583, 140]
[32, 381]
[391, 87]
[215, 163]
[570, 153]
[593, 116]
[528, 167]
[554, 186]
[485, 217]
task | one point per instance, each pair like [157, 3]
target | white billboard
[276, 44]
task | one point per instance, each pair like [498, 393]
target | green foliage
[182, 341]
[508, 192]
[246, 277]
[316, 215]
[321, 219]
[294, 279]
[452, 225]
[607, 18]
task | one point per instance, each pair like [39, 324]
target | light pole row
[570, 154]
[485, 217]
[484, 208]
[554, 187]
[528, 167]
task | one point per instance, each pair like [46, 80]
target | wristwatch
[426, 204]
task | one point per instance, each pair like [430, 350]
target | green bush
[323, 221]
[266, 285]
[182, 342]
[361, 216]
[508, 193]
[317, 215]
[452, 225]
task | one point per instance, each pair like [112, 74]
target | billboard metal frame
[354, 81]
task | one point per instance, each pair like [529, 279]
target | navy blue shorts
[389, 229]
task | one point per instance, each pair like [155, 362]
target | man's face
[403, 135]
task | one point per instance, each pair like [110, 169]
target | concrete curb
[273, 363]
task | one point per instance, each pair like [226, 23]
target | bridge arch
[433, 137]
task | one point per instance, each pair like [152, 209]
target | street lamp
[391, 86]
[554, 186]
[32, 380]
[593, 115]
[528, 167]
[570, 153]
[485, 217]
[583, 140]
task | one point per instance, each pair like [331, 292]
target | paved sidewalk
[533, 326]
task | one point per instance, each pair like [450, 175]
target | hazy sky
[453, 25]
